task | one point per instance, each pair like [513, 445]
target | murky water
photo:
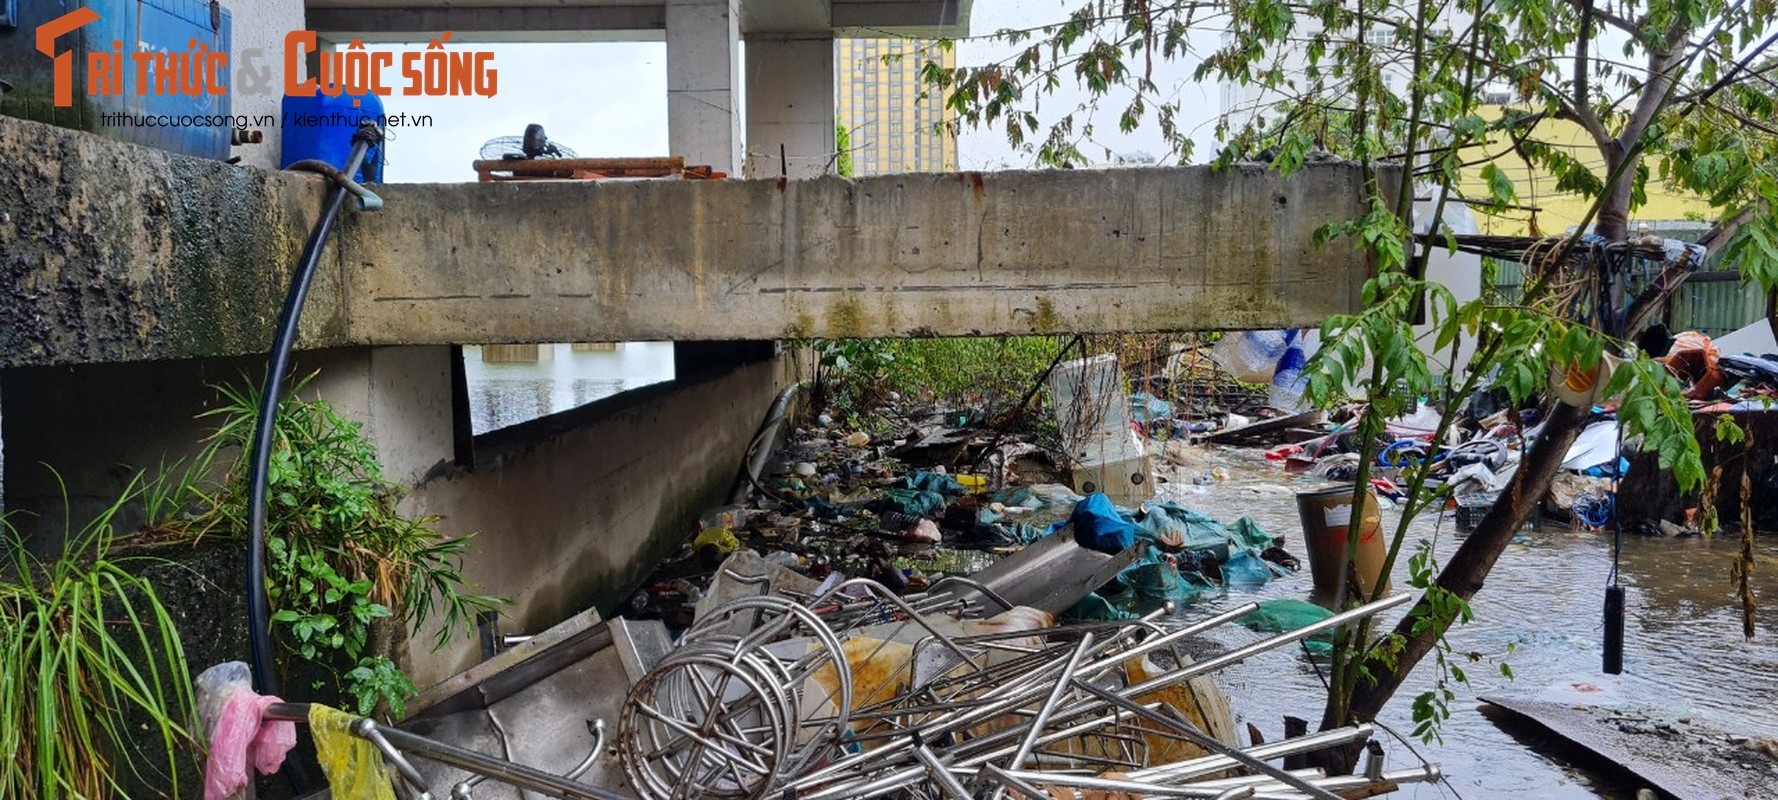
[502, 394]
[1684, 652]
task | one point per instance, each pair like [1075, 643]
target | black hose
[265, 677]
[259, 636]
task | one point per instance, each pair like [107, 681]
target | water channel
[1540, 611]
[565, 376]
[1685, 657]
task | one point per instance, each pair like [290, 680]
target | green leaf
[1500, 187]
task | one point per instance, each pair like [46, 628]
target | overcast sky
[610, 99]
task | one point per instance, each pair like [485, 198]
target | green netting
[1278, 616]
[1176, 526]
[1160, 581]
[1097, 609]
[1248, 533]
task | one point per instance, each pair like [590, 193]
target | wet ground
[1685, 663]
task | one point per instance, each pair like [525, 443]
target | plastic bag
[910, 501]
[354, 768]
[1251, 356]
[722, 539]
[1145, 407]
[935, 482]
[238, 735]
[1288, 381]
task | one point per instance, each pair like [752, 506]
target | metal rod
[1287, 747]
[504, 771]
[1204, 740]
[1010, 782]
[1055, 697]
[935, 767]
[1163, 641]
[1243, 653]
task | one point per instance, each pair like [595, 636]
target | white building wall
[261, 24]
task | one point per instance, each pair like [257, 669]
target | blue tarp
[1098, 526]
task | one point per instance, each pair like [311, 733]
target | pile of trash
[784, 688]
[847, 504]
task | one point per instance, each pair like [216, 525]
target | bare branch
[1588, 8]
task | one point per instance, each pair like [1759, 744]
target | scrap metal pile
[855, 692]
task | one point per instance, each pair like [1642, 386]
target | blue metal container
[126, 27]
[321, 128]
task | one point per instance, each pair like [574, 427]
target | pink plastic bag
[238, 731]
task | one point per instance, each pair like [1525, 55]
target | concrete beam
[1151, 249]
[111, 252]
[116, 252]
[503, 24]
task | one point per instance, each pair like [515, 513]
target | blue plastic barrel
[321, 127]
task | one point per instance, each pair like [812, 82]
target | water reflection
[1684, 653]
[502, 394]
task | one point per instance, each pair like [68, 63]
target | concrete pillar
[703, 85]
[790, 105]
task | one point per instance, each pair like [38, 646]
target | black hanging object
[1614, 630]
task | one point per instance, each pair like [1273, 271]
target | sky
[609, 99]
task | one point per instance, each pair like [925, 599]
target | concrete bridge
[132, 280]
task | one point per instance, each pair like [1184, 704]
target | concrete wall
[571, 511]
[115, 252]
[790, 107]
[98, 425]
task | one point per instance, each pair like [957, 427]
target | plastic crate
[1471, 508]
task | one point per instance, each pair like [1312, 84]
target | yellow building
[1557, 211]
[888, 113]
[1714, 302]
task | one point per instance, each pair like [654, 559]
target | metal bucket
[1327, 517]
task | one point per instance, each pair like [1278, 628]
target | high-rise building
[891, 117]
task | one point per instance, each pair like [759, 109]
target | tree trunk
[1464, 574]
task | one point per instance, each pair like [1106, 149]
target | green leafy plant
[342, 561]
[1399, 89]
[92, 673]
[987, 373]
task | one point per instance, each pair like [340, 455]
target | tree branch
[1587, 8]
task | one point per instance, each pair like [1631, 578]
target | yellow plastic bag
[722, 539]
[354, 767]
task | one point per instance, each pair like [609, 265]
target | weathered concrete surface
[571, 511]
[76, 437]
[110, 252]
[906, 255]
[115, 252]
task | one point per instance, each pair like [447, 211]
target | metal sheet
[1652, 759]
[514, 670]
[1051, 574]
